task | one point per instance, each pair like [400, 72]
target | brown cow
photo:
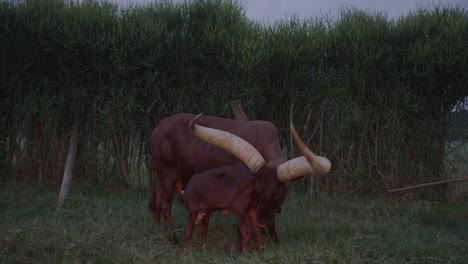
[178, 154]
[223, 189]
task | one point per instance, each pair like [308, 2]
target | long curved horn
[235, 145]
[309, 163]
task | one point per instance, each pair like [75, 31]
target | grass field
[106, 226]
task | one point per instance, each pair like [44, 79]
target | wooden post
[239, 113]
[69, 166]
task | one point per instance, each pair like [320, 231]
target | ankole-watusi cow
[224, 189]
[184, 144]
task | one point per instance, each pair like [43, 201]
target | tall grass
[102, 225]
[374, 95]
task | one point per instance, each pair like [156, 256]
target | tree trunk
[239, 113]
[69, 166]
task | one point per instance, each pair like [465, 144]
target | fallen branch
[428, 184]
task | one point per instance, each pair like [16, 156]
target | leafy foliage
[375, 95]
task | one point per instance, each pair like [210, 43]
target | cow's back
[172, 144]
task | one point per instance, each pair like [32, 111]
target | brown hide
[173, 145]
[223, 189]
[177, 154]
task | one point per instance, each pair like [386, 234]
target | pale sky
[273, 10]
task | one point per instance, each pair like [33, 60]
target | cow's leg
[155, 199]
[155, 205]
[166, 206]
[272, 231]
[191, 223]
[204, 228]
[151, 201]
[255, 227]
[239, 240]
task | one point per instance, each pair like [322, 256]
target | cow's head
[271, 194]
[271, 178]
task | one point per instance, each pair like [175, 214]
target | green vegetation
[457, 166]
[459, 129]
[102, 225]
[379, 92]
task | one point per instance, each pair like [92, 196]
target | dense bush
[374, 95]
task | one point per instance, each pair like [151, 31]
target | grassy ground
[105, 226]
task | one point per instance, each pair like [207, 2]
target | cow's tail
[155, 199]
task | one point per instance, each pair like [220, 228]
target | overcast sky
[272, 10]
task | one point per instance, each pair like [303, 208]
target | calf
[223, 189]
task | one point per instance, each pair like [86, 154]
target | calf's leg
[243, 225]
[155, 199]
[188, 236]
[204, 228]
[157, 205]
[257, 231]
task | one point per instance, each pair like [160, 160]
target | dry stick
[140, 153]
[307, 123]
[116, 155]
[127, 155]
[291, 109]
[428, 184]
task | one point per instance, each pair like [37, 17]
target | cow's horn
[229, 142]
[308, 163]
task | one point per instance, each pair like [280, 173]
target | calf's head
[271, 178]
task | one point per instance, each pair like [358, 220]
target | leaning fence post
[69, 166]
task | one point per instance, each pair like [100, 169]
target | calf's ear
[179, 185]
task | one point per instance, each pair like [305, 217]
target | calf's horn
[237, 146]
[308, 163]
